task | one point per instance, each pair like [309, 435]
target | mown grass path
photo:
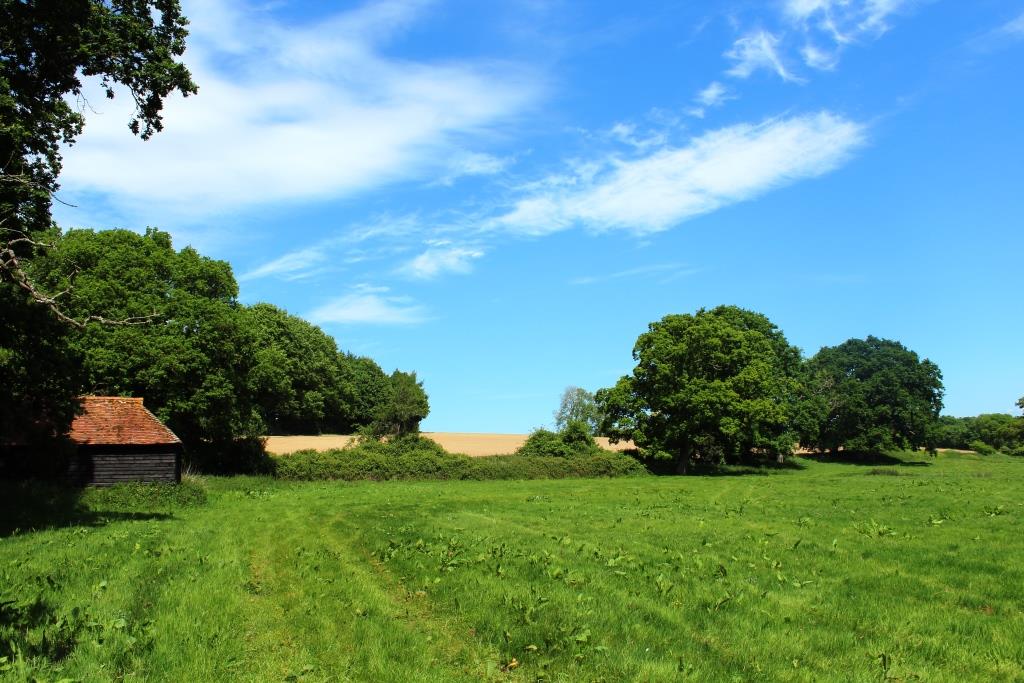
[834, 572]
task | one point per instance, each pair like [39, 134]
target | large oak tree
[718, 385]
[874, 395]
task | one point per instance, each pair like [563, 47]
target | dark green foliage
[875, 395]
[715, 386]
[981, 448]
[953, 432]
[192, 363]
[214, 371]
[301, 383]
[573, 440]
[544, 443]
[415, 457]
[406, 405]
[576, 435]
[297, 379]
[999, 430]
[47, 47]
[41, 373]
[247, 455]
[367, 389]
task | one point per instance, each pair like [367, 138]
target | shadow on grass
[760, 467]
[32, 628]
[864, 459]
[27, 506]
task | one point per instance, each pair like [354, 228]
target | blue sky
[502, 195]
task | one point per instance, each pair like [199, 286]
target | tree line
[214, 370]
[723, 385]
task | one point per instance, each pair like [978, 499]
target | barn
[118, 441]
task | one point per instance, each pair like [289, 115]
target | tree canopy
[874, 395]
[212, 369]
[41, 373]
[577, 405]
[302, 384]
[717, 385]
[405, 407]
[193, 362]
[47, 48]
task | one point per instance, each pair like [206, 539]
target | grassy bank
[830, 572]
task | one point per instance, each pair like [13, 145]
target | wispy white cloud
[756, 51]
[846, 18]
[441, 259]
[671, 270]
[379, 236]
[817, 58]
[1014, 27]
[673, 184]
[290, 265]
[473, 164]
[840, 23]
[627, 134]
[370, 306]
[294, 113]
[714, 95]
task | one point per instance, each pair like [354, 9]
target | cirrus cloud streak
[673, 184]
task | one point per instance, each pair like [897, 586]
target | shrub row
[419, 458]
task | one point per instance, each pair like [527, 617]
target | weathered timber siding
[96, 465]
[114, 469]
[105, 466]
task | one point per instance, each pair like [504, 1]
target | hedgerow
[415, 457]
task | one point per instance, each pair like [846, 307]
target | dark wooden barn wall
[105, 469]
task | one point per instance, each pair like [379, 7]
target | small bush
[981, 448]
[572, 441]
[544, 444]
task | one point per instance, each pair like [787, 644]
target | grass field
[905, 571]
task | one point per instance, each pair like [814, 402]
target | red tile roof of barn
[113, 420]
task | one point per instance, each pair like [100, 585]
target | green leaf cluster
[724, 386]
[717, 386]
[48, 48]
[873, 395]
[573, 440]
[404, 406]
[214, 370]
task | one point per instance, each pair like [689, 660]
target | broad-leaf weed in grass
[818, 573]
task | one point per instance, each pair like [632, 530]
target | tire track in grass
[324, 613]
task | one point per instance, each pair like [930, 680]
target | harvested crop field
[453, 442]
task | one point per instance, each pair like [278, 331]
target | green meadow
[910, 570]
